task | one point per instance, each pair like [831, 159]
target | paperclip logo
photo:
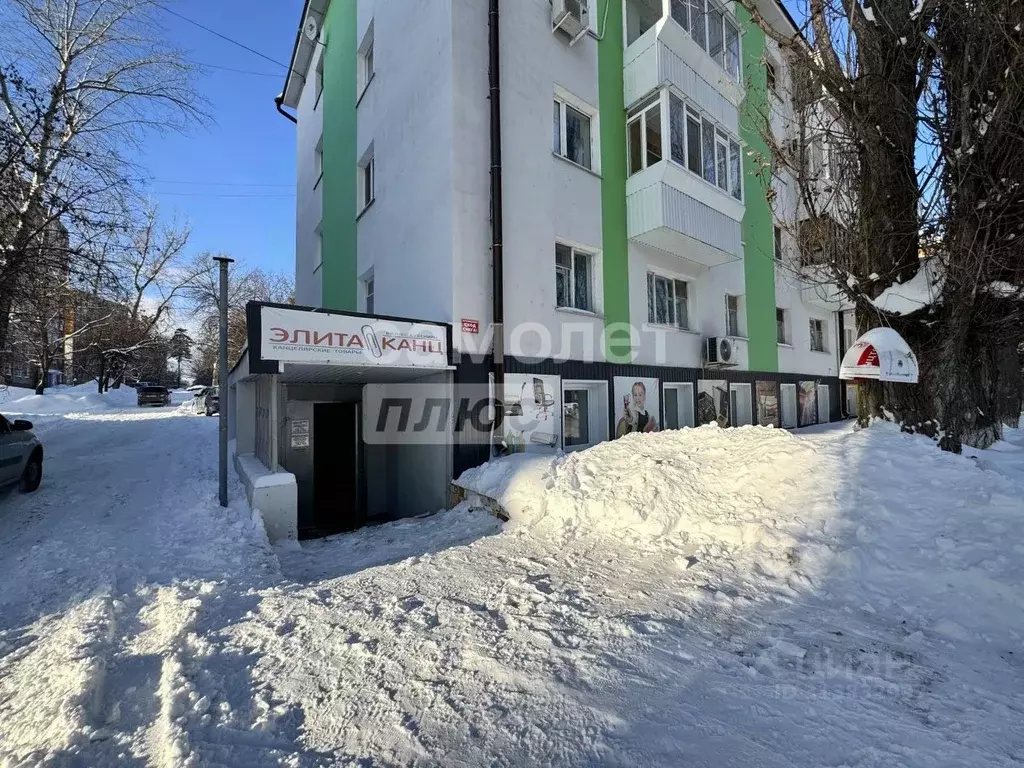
[371, 341]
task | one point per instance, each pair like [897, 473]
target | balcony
[671, 210]
[704, 66]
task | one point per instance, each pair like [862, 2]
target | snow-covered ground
[703, 597]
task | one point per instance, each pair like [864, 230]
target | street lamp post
[222, 378]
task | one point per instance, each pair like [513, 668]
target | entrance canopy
[880, 354]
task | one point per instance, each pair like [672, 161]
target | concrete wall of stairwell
[547, 198]
[308, 194]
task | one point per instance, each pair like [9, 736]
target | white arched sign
[880, 354]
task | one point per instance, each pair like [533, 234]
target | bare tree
[906, 146]
[101, 76]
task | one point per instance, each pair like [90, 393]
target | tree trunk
[101, 380]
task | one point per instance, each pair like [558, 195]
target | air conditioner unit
[719, 352]
[571, 17]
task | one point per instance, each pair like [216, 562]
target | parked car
[153, 395]
[195, 388]
[21, 455]
[207, 401]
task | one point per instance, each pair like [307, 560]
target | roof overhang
[302, 53]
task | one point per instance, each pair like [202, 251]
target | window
[698, 21]
[573, 134]
[678, 406]
[368, 295]
[644, 129]
[722, 160]
[735, 171]
[694, 143]
[716, 38]
[574, 272]
[667, 301]
[708, 148]
[781, 326]
[681, 13]
[641, 15]
[817, 335]
[772, 78]
[732, 315]
[849, 336]
[318, 161]
[319, 79]
[576, 417]
[732, 50]
[778, 242]
[366, 180]
[741, 406]
[584, 413]
[364, 66]
[318, 247]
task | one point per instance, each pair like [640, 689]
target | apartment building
[646, 282]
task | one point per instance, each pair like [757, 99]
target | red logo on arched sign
[869, 357]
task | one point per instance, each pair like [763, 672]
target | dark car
[207, 401]
[153, 395]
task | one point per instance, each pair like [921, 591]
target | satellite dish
[311, 28]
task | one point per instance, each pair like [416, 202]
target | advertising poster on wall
[713, 402]
[638, 405]
[533, 411]
[807, 392]
[767, 404]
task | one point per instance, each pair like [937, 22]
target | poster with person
[637, 403]
[767, 404]
[533, 413]
[807, 392]
[713, 402]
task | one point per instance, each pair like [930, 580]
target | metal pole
[222, 378]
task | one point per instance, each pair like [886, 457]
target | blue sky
[247, 145]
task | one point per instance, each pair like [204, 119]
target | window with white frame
[778, 242]
[849, 336]
[696, 143]
[366, 180]
[319, 78]
[667, 301]
[643, 129]
[365, 63]
[817, 328]
[733, 315]
[574, 278]
[678, 400]
[318, 161]
[771, 76]
[368, 298]
[713, 29]
[318, 247]
[584, 413]
[782, 325]
[573, 131]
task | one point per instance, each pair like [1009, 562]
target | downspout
[841, 330]
[279, 103]
[497, 266]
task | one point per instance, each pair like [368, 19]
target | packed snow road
[704, 597]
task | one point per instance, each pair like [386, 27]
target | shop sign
[880, 354]
[297, 336]
[470, 326]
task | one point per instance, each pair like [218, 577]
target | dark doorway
[338, 502]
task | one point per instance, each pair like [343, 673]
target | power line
[238, 71]
[218, 183]
[224, 37]
[221, 194]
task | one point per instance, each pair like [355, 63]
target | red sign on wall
[470, 326]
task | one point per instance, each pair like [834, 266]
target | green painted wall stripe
[338, 230]
[615, 249]
[758, 235]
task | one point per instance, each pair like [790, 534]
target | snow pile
[58, 401]
[706, 483]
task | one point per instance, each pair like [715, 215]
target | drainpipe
[279, 103]
[497, 270]
[841, 346]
